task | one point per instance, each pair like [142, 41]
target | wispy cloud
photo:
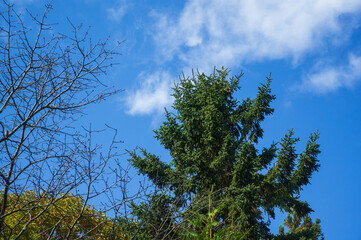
[229, 33]
[118, 11]
[218, 32]
[328, 79]
[20, 5]
[152, 96]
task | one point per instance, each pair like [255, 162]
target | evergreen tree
[219, 183]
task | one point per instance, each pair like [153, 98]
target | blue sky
[312, 48]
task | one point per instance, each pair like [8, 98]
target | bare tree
[47, 79]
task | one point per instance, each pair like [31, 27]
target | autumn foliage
[37, 216]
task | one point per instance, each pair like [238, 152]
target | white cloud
[229, 33]
[20, 5]
[218, 32]
[329, 79]
[153, 95]
[116, 13]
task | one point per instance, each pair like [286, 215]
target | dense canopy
[220, 183]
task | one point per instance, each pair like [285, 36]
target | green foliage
[34, 216]
[208, 226]
[219, 180]
[300, 228]
[152, 219]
